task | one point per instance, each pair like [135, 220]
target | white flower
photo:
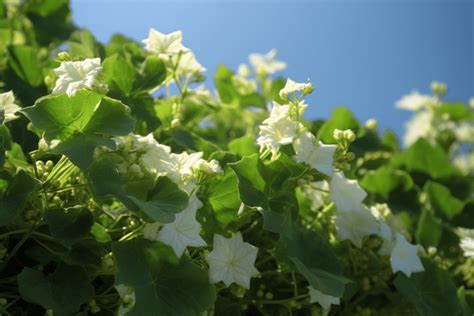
[266, 64]
[184, 231]
[416, 101]
[465, 162]
[8, 106]
[322, 299]
[278, 129]
[420, 125]
[232, 260]
[467, 245]
[405, 258]
[356, 223]
[243, 71]
[345, 193]
[293, 87]
[465, 132]
[77, 75]
[384, 230]
[164, 44]
[127, 296]
[187, 65]
[314, 153]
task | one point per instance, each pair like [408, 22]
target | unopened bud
[471, 103]
[371, 124]
[338, 134]
[439, 88]
[349, 135]
[63, 56]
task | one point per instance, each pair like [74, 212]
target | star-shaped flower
[8, 106]
[293, 87]
[164, 44]
[278, 129]
[184, 231]
[314, 153]
[187, 65]
[345, 193]
[322, 299]
[266, 64]
[355, 224]
[405, 258]
[76, 75]
[232, 260]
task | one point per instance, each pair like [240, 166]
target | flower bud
[439, 88]
[349, 135]
[371, 124]
[338, 134]
[471, 103]
[64, 56]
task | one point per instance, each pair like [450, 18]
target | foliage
[106, 176]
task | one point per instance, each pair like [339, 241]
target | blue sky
[363, 54]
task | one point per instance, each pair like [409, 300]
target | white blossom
[467, 245]
[127, 297]
[8, 106]
[314, 153]
[184, 231]
[266, 64]
[420, 125]
[232, 260]
[243, 71]
[322, 299]
[405, 258]
[346, 194]
[464, 132]
[278, 129]
[355, 223]
[76, 75]
[164, 44]
[416, 101]
[187, 65]
[293, 87]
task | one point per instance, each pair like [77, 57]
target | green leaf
[429, 229]
[152, 74]
[384, 180]
[119, 75]
[224, 198]
[160, 201]
[64, 291]
[80, 122]
[312, 256]
[100, 233]
[252, 185]
[432, 292]
[83, 44]
[425, 158]
[243, 146]
[341, 119]
[442, 201]
[454, 111]
[69, 226]
[163, 201]
[163, 284]
[229, 93]
[24, 61]
[16, 196]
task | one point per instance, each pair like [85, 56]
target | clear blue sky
[364, 54]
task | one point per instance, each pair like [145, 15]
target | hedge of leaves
[129, 188]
